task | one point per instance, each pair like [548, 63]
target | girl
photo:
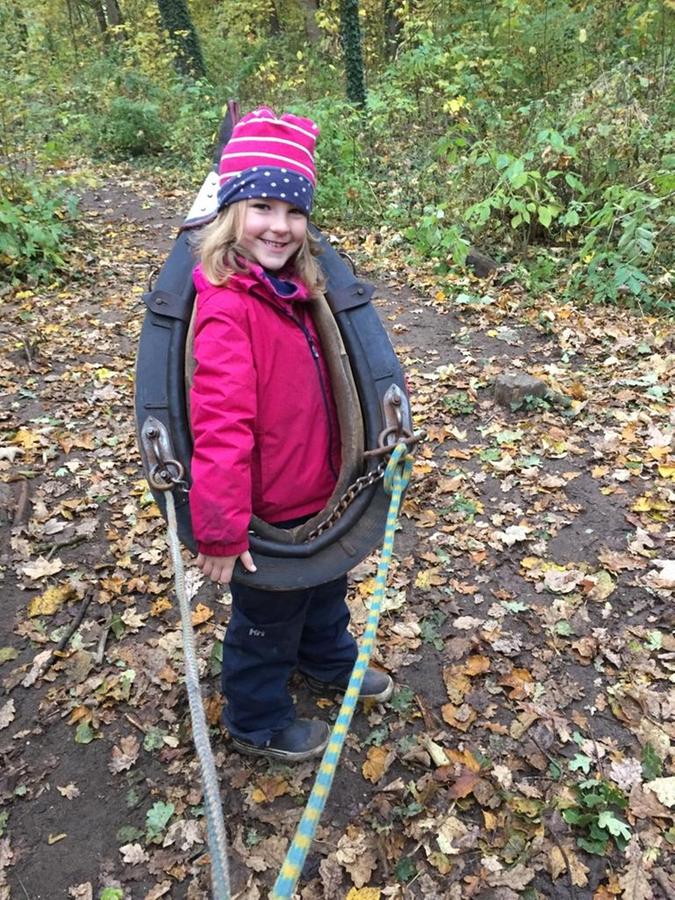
[266, 435]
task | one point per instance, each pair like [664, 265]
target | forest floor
[528, 750]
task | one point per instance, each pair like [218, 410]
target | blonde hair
[218, 246]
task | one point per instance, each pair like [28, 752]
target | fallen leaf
[356, 855]
[516, 878]
[124, 756]
[450, 831]
[467, 623]
[634, 882]
[460, 717]
[378, 761]
[7, 712]
[464, 785]
[7, 654]
[201, 614]
[42, 568]
[133, 854]
[269, 788]
[69, 791]
[558, 865]
[664, 788]
[82, 891]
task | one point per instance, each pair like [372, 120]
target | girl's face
[273, 231]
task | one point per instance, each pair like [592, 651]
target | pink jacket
[265, 428]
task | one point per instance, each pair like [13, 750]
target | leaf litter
[528, 623]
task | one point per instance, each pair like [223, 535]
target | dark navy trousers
[270, 634]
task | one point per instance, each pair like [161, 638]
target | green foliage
[157, 818]
[459, 403]
[35, 226]
[596, 814]
[132, 127]
[652, 764]
[539, 130]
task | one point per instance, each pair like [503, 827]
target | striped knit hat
[269, 156]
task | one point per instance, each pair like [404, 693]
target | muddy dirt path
[529, 620]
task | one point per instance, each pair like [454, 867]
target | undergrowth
[539, 131]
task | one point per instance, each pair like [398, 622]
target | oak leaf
[124, 756]
[6, 714]
[378, 761]
[357, 856]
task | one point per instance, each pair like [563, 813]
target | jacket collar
[256, 280]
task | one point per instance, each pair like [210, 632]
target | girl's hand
[219, 568]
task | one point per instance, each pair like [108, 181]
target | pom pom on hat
[269, 156]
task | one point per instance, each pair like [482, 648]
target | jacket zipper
[314, 350]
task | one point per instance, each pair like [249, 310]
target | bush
[35, 226]
[132, 128]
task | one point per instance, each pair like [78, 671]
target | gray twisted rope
[215, 825]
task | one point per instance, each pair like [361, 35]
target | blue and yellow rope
[396, 478]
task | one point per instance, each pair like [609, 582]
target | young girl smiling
[266, 433]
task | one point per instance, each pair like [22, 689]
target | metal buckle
[164, 470]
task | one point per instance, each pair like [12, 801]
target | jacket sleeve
[222, 413]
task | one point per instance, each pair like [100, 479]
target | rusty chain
[352, 492]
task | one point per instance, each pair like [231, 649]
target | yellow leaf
[269, 788]
[667, 472]
[658, 452]
[26, 438]
[379, 760]
[53, 599]
[429, 577]
[201, 614]
[367, 587]
[464, 758]
[367, 893]
[160, 605]
[476, 665]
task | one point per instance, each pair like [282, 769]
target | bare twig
[103, 640]
[135, 723]
[77, 621]
[21, 504]
[51, 549]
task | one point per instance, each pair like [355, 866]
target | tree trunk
[350, 34]
[177, 20]
[392, 30]
[113, 13]
[99, 12]
[275, 24]
[312, 31]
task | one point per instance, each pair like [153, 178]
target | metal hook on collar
[164, 471]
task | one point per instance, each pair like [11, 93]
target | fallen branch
[21, 504]
[103, 640]
[39, 670]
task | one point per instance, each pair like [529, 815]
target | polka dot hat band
[269, 156]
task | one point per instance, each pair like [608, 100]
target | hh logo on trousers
[255, 632]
